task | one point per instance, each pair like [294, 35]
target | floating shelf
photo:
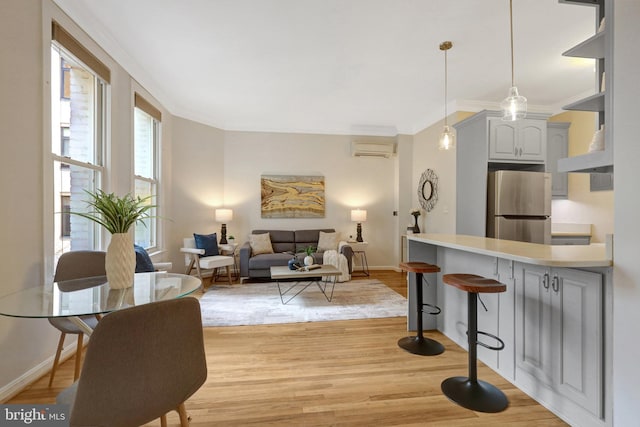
[592, 103]
[583, 2]
[593, 47]
[595, 162]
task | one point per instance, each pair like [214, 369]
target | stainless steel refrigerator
[519, 206]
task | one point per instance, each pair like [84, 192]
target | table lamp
[224, 216]
[359, 216]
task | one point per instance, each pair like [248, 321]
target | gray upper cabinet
[522, 141]
[557, 148]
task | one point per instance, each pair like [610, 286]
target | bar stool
[469, 392]
[419, 344]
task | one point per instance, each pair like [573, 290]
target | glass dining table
[93, 296]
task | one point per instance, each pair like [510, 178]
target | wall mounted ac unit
[384, 149]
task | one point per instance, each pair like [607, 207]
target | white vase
[597, 143]
[308, 260]
[120, 261]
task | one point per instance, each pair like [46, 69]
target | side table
[359, 253]
[230, 249]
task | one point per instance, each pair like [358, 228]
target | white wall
[350, 182]
[626, 292]
[197, 183]
[23, 343]
[426, 155]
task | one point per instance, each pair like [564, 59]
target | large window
[78, 110]
[146, 126]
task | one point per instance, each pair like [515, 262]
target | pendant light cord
[445, 87]
[511, 30]
[445, 46]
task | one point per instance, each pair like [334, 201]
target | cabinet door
[502, 139]
[577, 327]
[534, 351]
[532, 140]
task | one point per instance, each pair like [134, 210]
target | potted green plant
[231, 239]
[309, 250]
[117, 215]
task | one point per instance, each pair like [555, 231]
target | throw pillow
[208, 242]
[327, 242]
[143, 261]
[260, 244]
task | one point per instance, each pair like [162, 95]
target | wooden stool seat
[470, 392]
[473, 283]
[419, 267]
[419, 344]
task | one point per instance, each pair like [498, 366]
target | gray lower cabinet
[559, 336]
[557, 148]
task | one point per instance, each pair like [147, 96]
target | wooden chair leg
[163, 421]
[56, 361]
[184, 417]
[76, 372]
[190, 267]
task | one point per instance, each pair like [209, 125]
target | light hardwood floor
[343, 373]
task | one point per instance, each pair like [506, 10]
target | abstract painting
[292, 196]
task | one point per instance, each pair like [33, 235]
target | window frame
[140, 103]
[101, 104]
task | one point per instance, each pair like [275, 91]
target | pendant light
[514, 106]
[448, 136]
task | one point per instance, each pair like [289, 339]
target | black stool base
[475, 395]
[421, 346]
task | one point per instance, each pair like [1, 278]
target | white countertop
[593, 255]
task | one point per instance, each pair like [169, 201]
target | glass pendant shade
[514, 106]
[447, 138]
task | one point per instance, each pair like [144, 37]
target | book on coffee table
[309, 267]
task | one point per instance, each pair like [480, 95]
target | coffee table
[303, 279]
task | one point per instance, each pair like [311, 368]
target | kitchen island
[554, 317]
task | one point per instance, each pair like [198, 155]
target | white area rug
[259, 304]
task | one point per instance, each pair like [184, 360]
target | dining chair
[141, 363]
[75, 265]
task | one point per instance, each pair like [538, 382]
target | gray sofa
[284, 243]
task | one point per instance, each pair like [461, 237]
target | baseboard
[35, 373]
[387, 267]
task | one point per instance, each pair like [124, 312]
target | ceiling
[340, 66]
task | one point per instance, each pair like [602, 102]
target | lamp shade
[514, 106]
[224, 215]
[447, 139]
[358, 215]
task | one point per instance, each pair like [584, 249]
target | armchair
[193, 259]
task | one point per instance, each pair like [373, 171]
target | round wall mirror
[428, 190]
